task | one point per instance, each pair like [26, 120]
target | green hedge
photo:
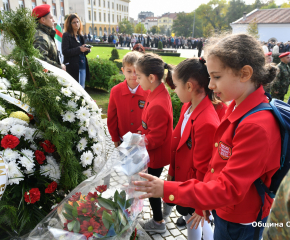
[115, 80]
[101, 71]
[118, 63]
[102, 45]
[168, 54]
[176, 106]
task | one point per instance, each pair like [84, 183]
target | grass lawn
[101, 97]
[105, 52]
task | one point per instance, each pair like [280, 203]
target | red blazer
[125, 110]
[221, 109]
[157, 125]
[237, 161]
[191, 153]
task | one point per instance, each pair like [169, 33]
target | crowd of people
[215, 158]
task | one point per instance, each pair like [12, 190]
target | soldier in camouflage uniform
[281, 84]
[44, 36]
[278, 224]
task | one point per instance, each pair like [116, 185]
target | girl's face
[143, 80]
[75, 23]
[223, 81]
[181, 89]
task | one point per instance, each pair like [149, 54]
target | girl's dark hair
[195, 69]
[151, 63]
[237, 50]
[67, 24]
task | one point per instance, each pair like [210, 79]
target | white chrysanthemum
[95, 122]
[10, 155]
[14, 174]
[94, 107]
[28, 153]
[18, 130]
[97, 148]
[29, 172]
[28, 163]
[72, 104]
[69, 117]
[29, 134]
[2, 111]
[76, 98]
[83, 114]
[6, 82]
[76, 92]
[83, 102]
[13, 121]
[4, 129]
[82, 144]
[51, 169]
[23, 81]
[57, 98]
[97, 164]
[87, 123]
[33, 146]
[64, 82]
[87, 158]
[88, 173]
[82, 129]
[92, 131]
[66, 92]
[2, 86]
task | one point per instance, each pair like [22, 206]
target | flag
[58, 39]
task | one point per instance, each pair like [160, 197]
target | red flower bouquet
[9, 141]
[32, 196]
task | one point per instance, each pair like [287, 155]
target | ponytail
[168, 79]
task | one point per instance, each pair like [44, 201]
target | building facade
[149, 22]
[273, 24]
[166, 20]
[144, 15]
[58, 7]
[100, 17]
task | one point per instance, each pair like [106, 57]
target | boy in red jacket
[126, 103]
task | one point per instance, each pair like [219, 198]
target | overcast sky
[158, 7]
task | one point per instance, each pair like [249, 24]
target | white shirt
[266, 50]
[185, 120]
[133, 91]
[275, 50]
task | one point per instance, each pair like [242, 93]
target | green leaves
[106, 203]
[74, 226]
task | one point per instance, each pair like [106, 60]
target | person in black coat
[199, 47]
[74, 50]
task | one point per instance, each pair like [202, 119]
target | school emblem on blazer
[141, 104]
[225, 151]
[189, 142]
[144, 125]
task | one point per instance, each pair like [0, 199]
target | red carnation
[51, 187]
[75, 197]
[9, 141]
[88, 227]
[40, 157]
[48, 146]
[101, 188]
[32, 196]
[85, 209]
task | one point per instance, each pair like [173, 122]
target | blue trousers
[225, 230]
[82, 77]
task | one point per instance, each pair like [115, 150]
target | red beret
[268, 54]
[284, 54]
[41, 11]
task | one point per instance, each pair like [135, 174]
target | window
[5, 5]
[89, 15]
[61, 11]
[122, 8]
[104, 17]
[108, 4]
[32, 3]
[112, 5]
[95, 16]
[113, 18]
[104, 3]
[99, 3]
[108, 17]
[100, 16]
[54, 10]
[117, 7]
[21, 4]
[89, 2]
[94, 2]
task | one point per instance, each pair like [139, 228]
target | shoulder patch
[189, 143]
[141, 104]
[144, 125]
[225, 151]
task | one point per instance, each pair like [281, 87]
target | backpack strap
[262, 189]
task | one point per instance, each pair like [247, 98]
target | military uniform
[281, 83]
[44, 41]
[280, 213]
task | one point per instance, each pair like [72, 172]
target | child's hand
[206, 214]
[196, 220]
[169, 178]
[117, 144]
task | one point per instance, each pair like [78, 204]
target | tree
[236, 9]
[168, 32]
[126, 27]
[269, 5]
[162, 30]
[140, 28]
[154, 29]
[183, 24]
[252, 29]
[286, 5]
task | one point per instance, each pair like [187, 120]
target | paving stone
[170, 238]
[146, 209]
[157, 237]
[170, 225]
[166, 234]
[184, 232]
[146, 216]
[175, 232]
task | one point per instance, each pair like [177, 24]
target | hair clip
[202, 60]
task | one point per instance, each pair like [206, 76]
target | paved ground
[173, 232]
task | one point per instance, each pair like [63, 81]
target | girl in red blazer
[127, 100]
[192, 142]
[242, 152]
[157, 125]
